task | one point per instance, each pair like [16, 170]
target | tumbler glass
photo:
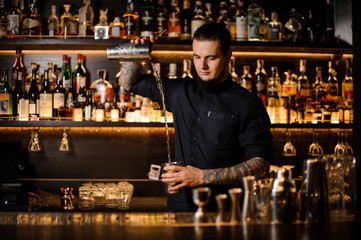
[170, 184]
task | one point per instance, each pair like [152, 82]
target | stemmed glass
[201, 197]
[348, 148]
[315, 149]
[340, 147]
[64, 144]
[288, 149]
[34, 145]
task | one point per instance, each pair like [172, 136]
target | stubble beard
[210, 85]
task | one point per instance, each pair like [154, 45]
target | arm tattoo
[130, 73]
[257, 167]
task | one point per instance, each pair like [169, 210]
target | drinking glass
[170, 184]
[86, 200]
[315, 149]
[288, 149]
[340, 149]
[201, 197]
[64, 144]
[34, 145]
[348, 148]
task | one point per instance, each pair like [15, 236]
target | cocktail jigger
[249, 207]
[221, 202]
[235, 194]
[201, 197]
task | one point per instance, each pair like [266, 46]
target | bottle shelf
[64, 123]
[88, 43]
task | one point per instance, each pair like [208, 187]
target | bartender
[222, 130]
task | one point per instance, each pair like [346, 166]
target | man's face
[209, 61]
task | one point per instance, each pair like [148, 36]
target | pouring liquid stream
[160, 88]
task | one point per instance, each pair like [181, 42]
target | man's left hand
[184, 176]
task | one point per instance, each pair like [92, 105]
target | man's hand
[184, 176]
[142, 41]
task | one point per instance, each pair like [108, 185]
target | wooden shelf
[168, 44]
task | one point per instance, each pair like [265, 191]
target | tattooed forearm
[257, 167]
[130, 73]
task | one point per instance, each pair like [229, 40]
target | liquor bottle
[18, 66]
[186, 17]
[45, 99]
[77, 112]
[318, 88]
[23, 106]
[223, 16]
[347, 83]
[29, 77]
[89, 108]
[241, 23]
[70, 101]
[331, 85]
[53, 22]
[254, 19]
[187, 63]
[303, 90]
[208, 12]
[313, 28]
[86, 18]
[65, 73]
[65, 21]
[81, 95]
[6, 96]
[274, 84]
[289, 86]
[3, 20]
[264, 31]
[32, 21]
[18, 89]
[330, 23]
[59, 99]
[101, 30]
[79, 74]
[131, 21]
[114, 111]
[116, 28]
[137, 108]
[52, 76]
[174, 20]
[293, 26]
[259, 84]
[231, 70]
[13, 19]
[102, 89]
[246, 79]
[198, 18]
[99, 113]
[275, 28]
[145, 110]
[74, 24]
[147, 18]
[232, 13]
[33, 95]
[172, 71]
[161, 18]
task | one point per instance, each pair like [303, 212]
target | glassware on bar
[288, 149]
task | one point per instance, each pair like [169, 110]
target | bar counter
[161, 225]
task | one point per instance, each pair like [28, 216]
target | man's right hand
[143, 40]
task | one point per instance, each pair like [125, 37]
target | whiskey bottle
[293, 26]
[254, 19]
[246, 79]
[65, 73]
[32, 21]
[198, 18]
[33, 95]
[29, 77]
[45, 99]
[59, 99]
[79, 74]
[223, 16]
[81, 95]
[6, 96]
[208, 12]
[231, 70]
[147, 18]
[86, 18]
[232, 13]
[18, 66]
[53, 22]
[172, 71]
[131, 21]
[116, 28]
[289, 86]
[318, 88]
[259, 85]
[331, 85]
[263, 27]
[18, 89]
[102, 89]
[70, 101]
[13, 20]
[65, 21]
[303, 90]
[52, 76]
[186, 17]
[274, 84]
[275, 28]
[347, 83]
[3, 20]
[174, 20]
[23, 106]
[89, 109]
[161, 18]
[241, 23]
[187, 68]
[101, 30]
[330, 23]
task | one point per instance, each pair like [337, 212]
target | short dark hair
[215, 32]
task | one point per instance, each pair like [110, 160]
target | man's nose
[204, 64]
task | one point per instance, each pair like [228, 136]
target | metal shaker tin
[129, 52]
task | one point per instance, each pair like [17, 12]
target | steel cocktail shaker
[129, 52]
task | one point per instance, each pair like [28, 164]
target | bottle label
[13, 24]
[88, 112]
[46, 105]
[79, 81]
[253, 27]
[195, 24]
[241, 28]
[51, 29]
[5, 104]
[66, 84]
[31, 23]
[23, 109]
[275, 32]
[115, 31]
[81, 99]
[59, 100]
[129, 26]
[34, 107]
